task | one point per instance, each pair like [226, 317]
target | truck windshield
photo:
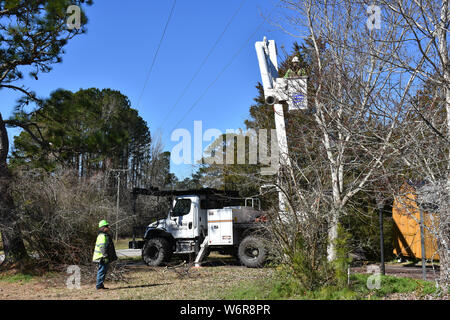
[182, 207]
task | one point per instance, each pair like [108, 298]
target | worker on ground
[104, 253]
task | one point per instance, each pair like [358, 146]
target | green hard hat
[103, 223]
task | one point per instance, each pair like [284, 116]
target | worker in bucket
[297, 72]
[104, 252]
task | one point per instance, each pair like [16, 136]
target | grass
[122, 243]
[16, 278]
[277, 288]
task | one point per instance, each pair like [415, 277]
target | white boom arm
[276, 91]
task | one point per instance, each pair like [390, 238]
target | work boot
[102, 288]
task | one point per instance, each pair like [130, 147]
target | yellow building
[406, 216]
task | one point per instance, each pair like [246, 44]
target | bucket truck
[206, 219]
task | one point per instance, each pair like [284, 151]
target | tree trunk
[444, 255]
[332, 235]
[443, 48]
[12, 239]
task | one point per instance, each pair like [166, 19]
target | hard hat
[295, 59]
[103, 223]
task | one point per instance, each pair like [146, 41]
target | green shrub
[282, 286]
[362, 222]
[307, 265]
[342, 262]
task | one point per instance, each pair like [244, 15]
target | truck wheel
[252, 252]
[156, 251]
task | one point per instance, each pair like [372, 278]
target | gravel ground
[414, 296]
[404, 270]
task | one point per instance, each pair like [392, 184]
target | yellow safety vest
[100, 246]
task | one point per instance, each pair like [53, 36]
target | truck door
[182, 218]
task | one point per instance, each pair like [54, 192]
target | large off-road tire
[252, 252]
[156, 251]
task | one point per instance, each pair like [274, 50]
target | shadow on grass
[214, 260]
[217, 262]
[142, 286]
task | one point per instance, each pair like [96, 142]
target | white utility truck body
[200, 221]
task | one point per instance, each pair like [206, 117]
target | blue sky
[118, 50]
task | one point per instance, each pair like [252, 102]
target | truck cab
[187, 219]
[185, 224]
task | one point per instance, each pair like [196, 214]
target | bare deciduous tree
[423, 142]
[356, 107]
[365, 80]
[58, 214]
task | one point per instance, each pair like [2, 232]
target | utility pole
[118, 172]
[422, 244]
[380, 205]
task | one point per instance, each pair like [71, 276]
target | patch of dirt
[404, 270]
[415, 296]
[139, 282]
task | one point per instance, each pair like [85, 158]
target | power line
[157, 50]
[203, 62]
[118, 172]
[230, 62]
